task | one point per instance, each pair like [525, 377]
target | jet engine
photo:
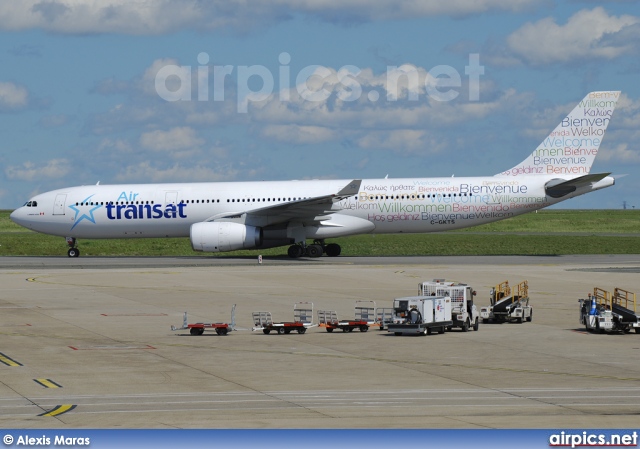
[224, 236]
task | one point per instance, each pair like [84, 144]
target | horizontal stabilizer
[557, 188]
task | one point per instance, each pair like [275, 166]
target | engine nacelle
[217, 237]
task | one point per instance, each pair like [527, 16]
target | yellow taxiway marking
[47, 383]
[8, 360]
[59, 410]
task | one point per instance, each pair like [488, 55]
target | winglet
[350, 189]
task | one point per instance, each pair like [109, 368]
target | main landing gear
[316, 250]
[73, 250]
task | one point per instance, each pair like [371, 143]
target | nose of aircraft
[17, 216]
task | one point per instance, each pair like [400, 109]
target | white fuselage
[410, 205]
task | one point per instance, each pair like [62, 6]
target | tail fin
[573, 146]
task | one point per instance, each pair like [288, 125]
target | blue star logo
[84, 216]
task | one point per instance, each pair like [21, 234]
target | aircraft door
[171, 198]
[58, 205]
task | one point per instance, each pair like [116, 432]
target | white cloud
[12, 96]
[179, 138]
[143, 17]
[298, 134]
[588, 34]
[145, 172]
[30, 171]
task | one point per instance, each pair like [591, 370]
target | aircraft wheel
[73, 252]
[332, 250]
[314, 250]
[294, 251]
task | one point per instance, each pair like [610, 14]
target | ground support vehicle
[421, 315]
[384, 316]
[302, 320]
[508, 305]
[199, 328]
[603, 312]
[364, 311]
[464, 312]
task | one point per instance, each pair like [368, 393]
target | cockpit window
[31, 204]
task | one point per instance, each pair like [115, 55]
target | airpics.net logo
[591, 439]
[441, 83]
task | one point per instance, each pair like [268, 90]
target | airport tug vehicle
[364, 316]
[464, 312]
[420, 315]
[302, 320]
[603, 312]
[508, 305]
[199, 328]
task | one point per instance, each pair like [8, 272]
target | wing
[305, 211]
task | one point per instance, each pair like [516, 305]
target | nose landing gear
[73, 250]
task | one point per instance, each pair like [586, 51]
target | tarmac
[86, 343]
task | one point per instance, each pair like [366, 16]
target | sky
[133, 91]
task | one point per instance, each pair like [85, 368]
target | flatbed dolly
[302, 320]
[199, 328]
[364, 311]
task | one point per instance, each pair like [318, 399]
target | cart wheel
[266, 331]
[637, 330]
[194, 331]
[519, 320]
[329, 329]
[219, 331]
[465, 326]
[530, 317]
[302, 330]
[287, 331]
[350, 329]
[281, 330]
[424, 332]
[345, 329]
[397, 333]
[476, 324]
[428, 331]
[364, 328]
[441, 330]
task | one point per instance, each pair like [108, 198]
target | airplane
[229, 216]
